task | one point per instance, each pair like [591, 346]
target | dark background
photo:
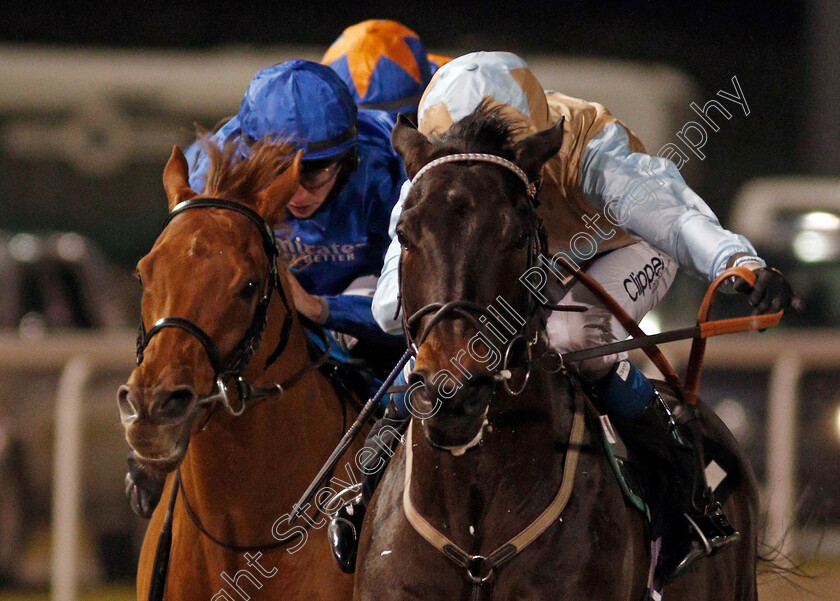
[764, 44]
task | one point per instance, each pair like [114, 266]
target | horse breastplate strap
[480, 567]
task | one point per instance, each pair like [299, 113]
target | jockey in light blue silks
[618, 212]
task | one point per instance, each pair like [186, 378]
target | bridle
[477, 314]
[480, 568]
[239, 358]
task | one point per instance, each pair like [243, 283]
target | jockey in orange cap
[384, 64]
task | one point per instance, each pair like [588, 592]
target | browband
[530, 186]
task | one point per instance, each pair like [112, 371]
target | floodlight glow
[837, 421]
[820, 221]
[25, 248]
[735, 416]
[651, 324]
[812, 247]
[71, 247]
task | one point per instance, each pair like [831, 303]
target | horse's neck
[516, 470]
[258, 464]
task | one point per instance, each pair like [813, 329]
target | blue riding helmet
[303, 102]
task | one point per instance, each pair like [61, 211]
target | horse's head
[209, 273]
[468, 231]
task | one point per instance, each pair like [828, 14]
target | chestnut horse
[220, 304]
[508, 494]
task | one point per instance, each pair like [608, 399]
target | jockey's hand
[311, 306]
[771, 293]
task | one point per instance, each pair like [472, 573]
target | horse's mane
[486, 129]
[231, 176]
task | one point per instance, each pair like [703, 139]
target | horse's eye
[522, 240]
[401, 238]
[249, 290]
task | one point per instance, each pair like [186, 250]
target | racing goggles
[313, 180]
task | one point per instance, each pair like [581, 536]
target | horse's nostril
[417, 377]
[476, 394]
[174, 403]
[128, 410]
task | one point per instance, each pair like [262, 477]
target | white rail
[78, 356]
[66, 505]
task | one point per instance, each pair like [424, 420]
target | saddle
[353, 379]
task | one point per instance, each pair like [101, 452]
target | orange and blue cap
[384, 64]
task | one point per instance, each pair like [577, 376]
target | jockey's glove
[771, 292]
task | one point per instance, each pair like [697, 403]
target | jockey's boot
[675, 456]
[346, 524]
[143, 488]
[704, 529]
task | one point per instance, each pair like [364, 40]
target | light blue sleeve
[647, 196]
[386, 297]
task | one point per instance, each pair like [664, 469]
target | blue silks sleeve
[648, 197]
[351, 314]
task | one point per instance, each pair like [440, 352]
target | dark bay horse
[214, 281]
[486, 462]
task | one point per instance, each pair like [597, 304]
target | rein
[480, 568]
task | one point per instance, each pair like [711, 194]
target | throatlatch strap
[515, 545]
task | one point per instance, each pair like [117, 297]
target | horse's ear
[412, 146]
[176, 179]
[273, 200]
[532, 152]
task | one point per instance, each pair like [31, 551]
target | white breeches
[637, 277]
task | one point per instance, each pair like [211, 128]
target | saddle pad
[627, 472]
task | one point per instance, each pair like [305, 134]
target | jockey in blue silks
[337, 227]
[336, 230]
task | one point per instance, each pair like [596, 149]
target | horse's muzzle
[158, 433]
[458, 414]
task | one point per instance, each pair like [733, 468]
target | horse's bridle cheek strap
[241, 355]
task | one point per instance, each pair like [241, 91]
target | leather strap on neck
[480, 568]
